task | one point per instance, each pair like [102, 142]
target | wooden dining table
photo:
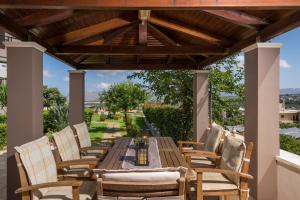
[170, 155]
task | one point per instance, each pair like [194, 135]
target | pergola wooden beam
[238, 17]
[118, 32]
[23, 34]
[86, 32]
[150, 4]
[139, 50]
[44, 17]
[201, 34]
[288, 23]
[135, 66]
[143, 33]
[168, 41]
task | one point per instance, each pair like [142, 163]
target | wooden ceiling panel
[175, 39]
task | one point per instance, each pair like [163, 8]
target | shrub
[168, 119]
[55, 119]
[3, 140]
[102, 117]
[290, 144]
[88, 114]
[117, 116]
[3, 118]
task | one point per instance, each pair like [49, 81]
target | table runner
[154, 158]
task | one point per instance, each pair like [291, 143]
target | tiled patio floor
[3, 175]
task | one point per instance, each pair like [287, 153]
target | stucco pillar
[76, 98]
[200, 105]
[25, 102]
[262, 116]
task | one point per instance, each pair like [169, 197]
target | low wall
[288, 172]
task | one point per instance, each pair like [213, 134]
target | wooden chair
[84, 142]
[210, 151]
[228, 179]
[39, 179]
[142, 184]
[67, 150]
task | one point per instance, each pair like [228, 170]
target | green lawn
[98, 128]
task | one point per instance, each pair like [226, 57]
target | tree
[227, 91]
[123, 97]
[3, 97]
[52, 97]
[175, 87]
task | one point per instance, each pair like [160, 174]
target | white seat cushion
[142, 176]
[198, 162]
[83, 135]
[214, 182]
[66, 144]
[87, 191]
[38, 160]
[140, 198]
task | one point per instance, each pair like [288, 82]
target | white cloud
[284, 64]
[109, 72]
[103, 86]
[47, 74]
[66, 79]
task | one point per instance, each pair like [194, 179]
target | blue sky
[56, 73]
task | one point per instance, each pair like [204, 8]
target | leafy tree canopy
[123, 97]
[176, 87]
[52, 97]
[3, 97]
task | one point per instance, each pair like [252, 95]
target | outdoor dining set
[154, 168]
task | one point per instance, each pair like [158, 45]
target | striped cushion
[66, 144]
[39, 163]
[83, 135]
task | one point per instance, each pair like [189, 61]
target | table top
[169, 154]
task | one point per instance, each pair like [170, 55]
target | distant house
[288, 115]
[4, 37]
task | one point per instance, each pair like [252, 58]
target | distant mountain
[91, 96]
[290, 91]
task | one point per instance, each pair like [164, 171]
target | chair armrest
[190, 142]
[105, 149]
[92, 162]
[206, 154]
[223, 171]
[73, 183]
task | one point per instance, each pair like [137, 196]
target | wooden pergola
[153, 34]
[118, 34]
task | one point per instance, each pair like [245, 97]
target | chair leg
[244, 195]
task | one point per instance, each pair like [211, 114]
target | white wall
[288, 176]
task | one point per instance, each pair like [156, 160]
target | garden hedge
[3, 140]
[88, 114]
[169, 120]
[290, 144]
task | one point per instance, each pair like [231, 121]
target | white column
[200, 105]
[76, 100]
[25, 102]
[262, 116]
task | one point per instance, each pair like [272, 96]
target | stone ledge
[289, 159]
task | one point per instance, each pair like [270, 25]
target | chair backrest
[83, 135]
[142, 183]
[215, 134]
[66, 144]
[234, 155]
[36, 164]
